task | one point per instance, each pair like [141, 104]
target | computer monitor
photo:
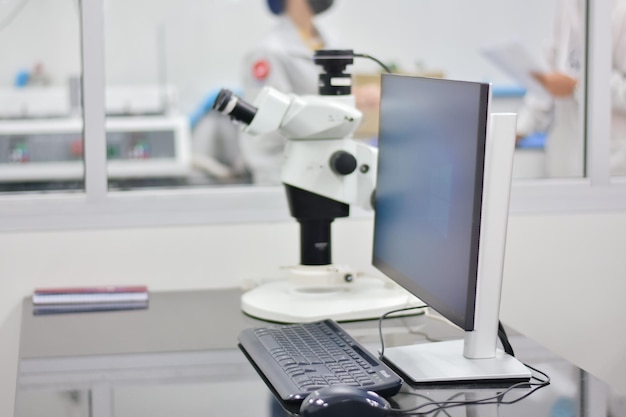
[441, 211]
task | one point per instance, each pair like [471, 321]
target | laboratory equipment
[41, 150]
[441, 212]
[41, 135]
[298, 359]
[324, 171]
[32, 103]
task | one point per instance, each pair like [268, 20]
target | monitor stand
[444, 362]
[319, 292]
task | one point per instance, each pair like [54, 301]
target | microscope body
[320, 155]
[324, 171]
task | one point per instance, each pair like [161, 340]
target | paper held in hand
[515, 60]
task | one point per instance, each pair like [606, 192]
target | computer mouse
[342, 401]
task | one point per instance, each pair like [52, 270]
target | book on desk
[88, 299]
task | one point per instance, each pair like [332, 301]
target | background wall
[564, 275]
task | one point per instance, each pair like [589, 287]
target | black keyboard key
[297, 359]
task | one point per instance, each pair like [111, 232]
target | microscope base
[288, 302]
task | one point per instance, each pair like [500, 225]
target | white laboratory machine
[41, 135]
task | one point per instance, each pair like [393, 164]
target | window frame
[97, 207]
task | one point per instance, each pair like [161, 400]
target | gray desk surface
[182, 350]
[174, 321]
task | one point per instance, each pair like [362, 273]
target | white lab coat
[560, 117]
[618, 91]
[281, 60]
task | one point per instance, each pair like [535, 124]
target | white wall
[564, 278]
[197, 44]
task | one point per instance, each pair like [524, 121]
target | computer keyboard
[296, 359]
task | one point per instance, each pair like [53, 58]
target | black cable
[450, 398]
[504, 339]
[385, 67]
[439, 406]
[354, 55]
[384, 316]
[430, 400]
[425, 335]
[434, 406]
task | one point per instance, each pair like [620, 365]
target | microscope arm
[320, 156]
[343, 169]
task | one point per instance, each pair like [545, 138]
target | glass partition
[523, 48]
[183, 53]
[165, 63]
[40, 116]
[164, 67]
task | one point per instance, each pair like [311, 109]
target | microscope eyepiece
[229, 104]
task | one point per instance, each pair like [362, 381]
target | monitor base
[443, 362]
[293, 301]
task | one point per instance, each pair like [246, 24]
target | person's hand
[557, 83]
[367, 96]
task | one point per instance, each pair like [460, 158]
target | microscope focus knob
[342, 163]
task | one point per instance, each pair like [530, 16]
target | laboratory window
[41, 138]
[165, 64]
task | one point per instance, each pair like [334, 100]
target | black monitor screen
[428, 195]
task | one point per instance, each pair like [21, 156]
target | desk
[179, 358]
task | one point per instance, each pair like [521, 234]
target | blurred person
[618, 90]
[283, 60]
[559, 112]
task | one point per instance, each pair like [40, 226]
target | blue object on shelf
[205, 106]
[534, 141]
[21, 78]
[507, 91]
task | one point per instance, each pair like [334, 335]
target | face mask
[318, 6]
